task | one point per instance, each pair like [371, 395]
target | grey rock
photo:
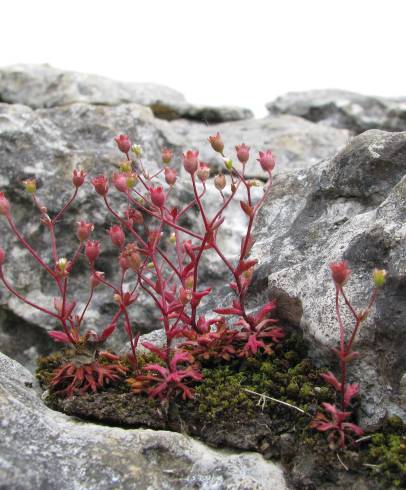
[43, 86]
[343, 109]
[353, 208]
[40, 448]
[48, 143]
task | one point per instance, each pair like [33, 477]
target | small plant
[158, 255]
[335, 420]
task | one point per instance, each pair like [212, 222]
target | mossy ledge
[224, 414]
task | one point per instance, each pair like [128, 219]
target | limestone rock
[40, 448]
[353, 208]
[343, 109]
[43, 86]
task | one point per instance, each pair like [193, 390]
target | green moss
[387, 452]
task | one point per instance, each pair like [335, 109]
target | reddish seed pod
[92, 250]
[191, 161]
[216, 143]
[220, 182]
[170, 176]
[266, 160]
[203, 172]
[340, 272]
[123, 143]
[166, 155]
[78, 177]
[83, 230]
[2, 256]
[243, 153]
[117, 236]
[4, 204]
[101, 185]
[158, 196]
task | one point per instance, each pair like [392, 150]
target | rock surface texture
[56, 121]
[349, 208]
[342, 109]
[334, 198]
[42, 86]
[40, 448]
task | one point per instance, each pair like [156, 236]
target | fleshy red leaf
[59, 336]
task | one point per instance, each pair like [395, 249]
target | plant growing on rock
[159, 255]
[336, 420]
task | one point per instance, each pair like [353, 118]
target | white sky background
[217, 51]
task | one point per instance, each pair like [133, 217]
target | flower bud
[4, 204]
[158, 196]
[132, 180]
[62, 267]
[379, 276]
[101, 185]
[120, 182]
[191, 161]
[96, 279]
[125, 167]
[117, 298]
[172, 237]
[166, 155]
[189, 282]
[135, 216]
[132, 257]
[228, 163]
[220, 181]
[203, 172]
[170, 175]
[92, 250]
[2, 256]
[30, 186]
[266, 160]
[243, 153]
[123, 143]
[117, 236]
[78, 177]
[137, 150]
[340, 272]
[216, 143]
[134, 261]
[83, 230]
[123, 262]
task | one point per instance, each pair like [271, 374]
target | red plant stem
[349, 305]
[64, 289]
[134, 361]
[24, 299]
[65, 207]
[125, 223]
[53, 242]
[343, 366]
[340, 321]
[103, 281]
[192, 203]
[168, 261]
[165, 220]
[24, 242]
[359, 319]
[199, 203]
[85, 308]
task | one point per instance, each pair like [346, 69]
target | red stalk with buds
[169, 275]
[335, 420]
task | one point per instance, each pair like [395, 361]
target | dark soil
[223, 414]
